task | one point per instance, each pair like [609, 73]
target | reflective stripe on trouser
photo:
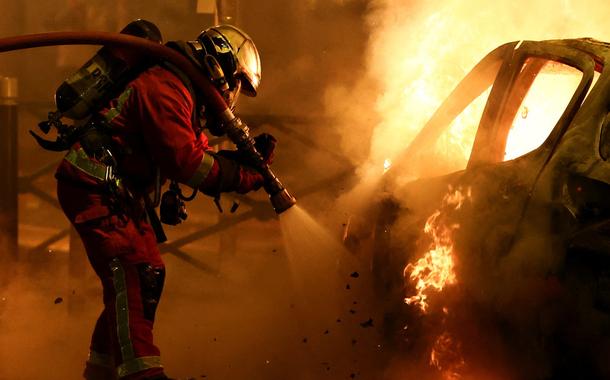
[100, 367]
[101, 360]
[131, 323]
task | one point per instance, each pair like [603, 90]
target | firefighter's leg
[124, 255]
[100, 365]
[133, 293]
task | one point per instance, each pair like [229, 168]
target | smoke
[37, 312]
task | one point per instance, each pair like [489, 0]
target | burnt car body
[533, 244]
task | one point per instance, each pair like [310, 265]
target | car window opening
[542, 107]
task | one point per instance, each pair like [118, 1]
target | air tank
[103, 76]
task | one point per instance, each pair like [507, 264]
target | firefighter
[154, 133]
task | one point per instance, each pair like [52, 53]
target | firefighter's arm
[165, 108]
[227, 174]
[233, 168]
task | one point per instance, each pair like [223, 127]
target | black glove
[236, 173]
[264, 144]
[233, 176]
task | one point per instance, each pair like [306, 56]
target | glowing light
[453, 147]
[541, 109]
[416, 68]
[387, 164]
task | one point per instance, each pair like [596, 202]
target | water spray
[236, 130]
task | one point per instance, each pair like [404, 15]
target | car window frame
[480, 78]
[492, 134]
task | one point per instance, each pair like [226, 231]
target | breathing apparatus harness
[81, 96]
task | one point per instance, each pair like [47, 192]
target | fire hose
[235, 129]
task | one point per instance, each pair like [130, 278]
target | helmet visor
[247, 60]
[248, 67]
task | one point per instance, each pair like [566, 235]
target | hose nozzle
[239, 133]
[282, 201]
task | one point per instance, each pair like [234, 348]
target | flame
[433, 272]
[454, 146]
[419, 51]
[446, 357]
[435, 269]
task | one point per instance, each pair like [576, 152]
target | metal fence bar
[43, 196]
[174, 251]
[44, 246]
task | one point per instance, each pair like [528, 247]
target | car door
[576, 182]
[534, 100]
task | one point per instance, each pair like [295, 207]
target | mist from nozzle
[331, 292]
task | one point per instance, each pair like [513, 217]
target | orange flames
[435, 269]
[420, 50]
[447, 358]
[432, 273]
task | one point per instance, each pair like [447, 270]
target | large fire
[435, 270]
[419, 51]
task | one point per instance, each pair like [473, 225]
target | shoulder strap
[183, 48]
[182, 76]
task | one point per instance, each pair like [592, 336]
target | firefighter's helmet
[231, 59]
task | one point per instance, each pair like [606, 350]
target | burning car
[498, 266]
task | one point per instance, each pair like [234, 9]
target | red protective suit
[152, 125]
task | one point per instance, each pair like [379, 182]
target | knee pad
[151, 287]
